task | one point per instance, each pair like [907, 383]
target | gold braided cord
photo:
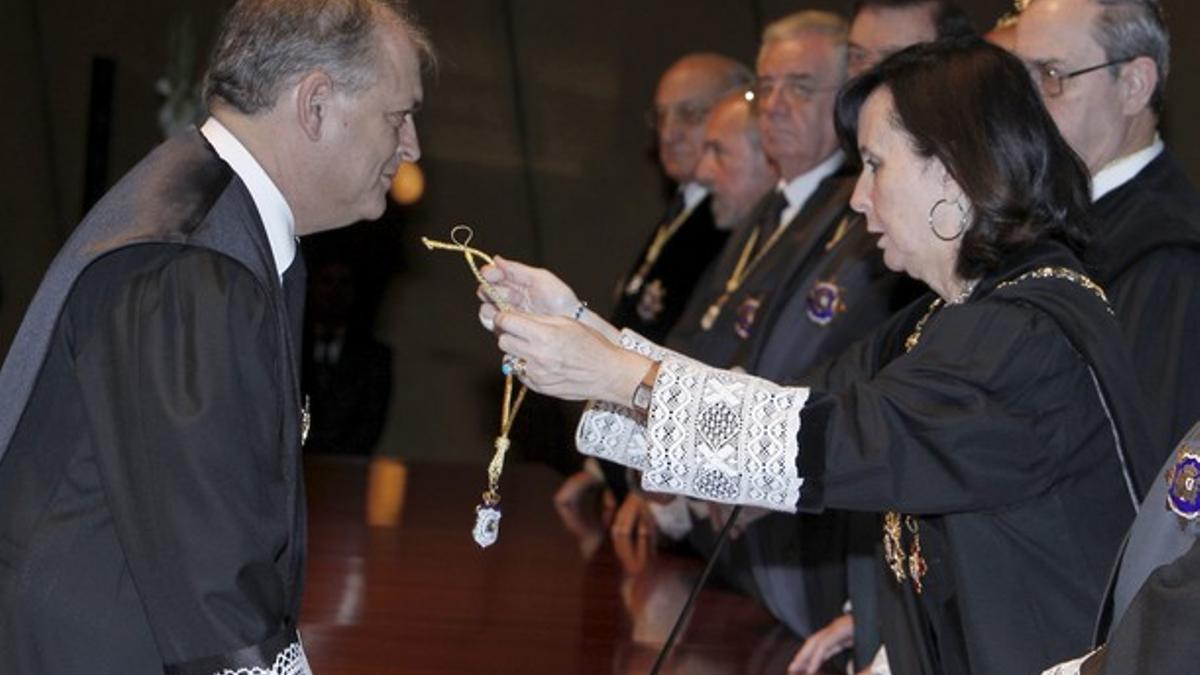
[470, 253]
[460, 238]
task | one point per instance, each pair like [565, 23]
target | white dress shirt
[800, 188]
[1120, 171]
[272, 207]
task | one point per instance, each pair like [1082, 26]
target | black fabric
[151, 506]
[991, 432]
[1158, 632]
[1146, 254]
[722, 345]
[653, 309]
[769, 217]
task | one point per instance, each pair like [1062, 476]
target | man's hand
[823, 645]
[634, 519]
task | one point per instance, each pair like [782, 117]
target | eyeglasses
[1051, 82]
[793, 88]
[689, 114]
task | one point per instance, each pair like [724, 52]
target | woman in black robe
[993, 421]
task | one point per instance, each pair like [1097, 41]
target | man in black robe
[151, 507]
[1102, 66]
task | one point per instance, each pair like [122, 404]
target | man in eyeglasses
[1102, 67]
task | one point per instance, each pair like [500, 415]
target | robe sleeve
[960, 423]
[969, 420]
[180, 373]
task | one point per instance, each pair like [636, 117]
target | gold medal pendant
[634, 285]
[487, 525]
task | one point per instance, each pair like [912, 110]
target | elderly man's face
[682, 101]
[732, 164]
[878, 32]
[797, 83]
[370, 133]
[1058, 34]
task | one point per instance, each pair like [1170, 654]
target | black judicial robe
[151, 506]
[1158, 632]
[658, 302]
[724, 344]
[991, 431]
[1146, 254]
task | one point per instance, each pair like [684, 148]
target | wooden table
[421, 598]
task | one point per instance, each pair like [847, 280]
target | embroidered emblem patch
[651, 304]
[825, 302]
[744, 318]
[1183, 485]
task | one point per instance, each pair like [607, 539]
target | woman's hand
[568, 360]
[529, 289]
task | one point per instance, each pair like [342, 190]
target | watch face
[641, 397]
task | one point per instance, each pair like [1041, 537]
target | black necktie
[675, 207]
[769, 217]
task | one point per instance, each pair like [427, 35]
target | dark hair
[973, 106]
[267, 45]
[949, 19]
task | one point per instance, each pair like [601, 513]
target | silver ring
[512, 365]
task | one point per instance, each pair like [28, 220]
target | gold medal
[710, 316]
[634, 285]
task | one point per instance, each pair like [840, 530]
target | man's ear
[313, 97]
[1137, 82]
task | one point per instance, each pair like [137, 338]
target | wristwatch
[642, 395]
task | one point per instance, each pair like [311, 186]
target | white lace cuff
[723, 436]
[616, 432]
[711, 434]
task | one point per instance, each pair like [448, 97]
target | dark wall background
[532, 134]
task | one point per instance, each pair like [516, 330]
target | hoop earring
[962, 219]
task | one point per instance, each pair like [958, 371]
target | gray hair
[809, 22]
[267, 45]
[1127, 29]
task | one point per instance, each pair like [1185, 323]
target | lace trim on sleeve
[723, 436]
[290, 661]
[712, 434]
[616, 432]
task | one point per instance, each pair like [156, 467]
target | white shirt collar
[1120, 171]
[800, 188]
[272, 207]
[693, 194]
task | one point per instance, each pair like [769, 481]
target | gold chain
[741, 271]
[662, 235]
[913, 565]
[461, 237]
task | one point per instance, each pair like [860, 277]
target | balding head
[685, 95]
[732, 165]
